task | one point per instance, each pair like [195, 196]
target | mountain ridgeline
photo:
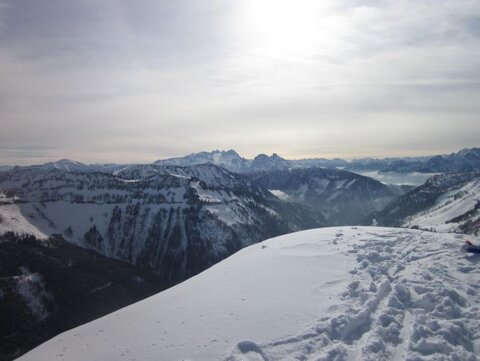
[466, 160]
[180, 216]
[175, 220]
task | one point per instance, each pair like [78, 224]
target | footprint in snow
[251, 349]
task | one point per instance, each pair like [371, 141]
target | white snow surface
[279, 194]
[344, 293]
[13, 218]
[453, 203]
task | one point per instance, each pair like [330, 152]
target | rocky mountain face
[50, 286]
[263, 162]
[342, 197]
[230, 160]
[175, 220]
[445, 203]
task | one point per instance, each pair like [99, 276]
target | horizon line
[295, 158]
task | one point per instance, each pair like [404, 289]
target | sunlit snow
[342, 293]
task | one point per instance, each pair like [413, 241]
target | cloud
[109, 81]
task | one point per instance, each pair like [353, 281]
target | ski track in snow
[404, 303]
[331, 294]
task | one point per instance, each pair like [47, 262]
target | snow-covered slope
[457, 210]
[209, 173]
[14, 217]
[176, 220]
[345, 293]
[444, 203]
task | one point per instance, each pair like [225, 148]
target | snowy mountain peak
[232, 152]
[230, 160]
[263, 162]
[472, 153]
[67, 161]
[66, 164]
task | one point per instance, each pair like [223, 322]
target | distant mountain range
[466, 160]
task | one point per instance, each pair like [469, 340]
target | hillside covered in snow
[444, 203]
[175, 220]
[345, 293]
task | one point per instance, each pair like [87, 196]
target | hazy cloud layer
[137, 81]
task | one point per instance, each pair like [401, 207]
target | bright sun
[283, 29]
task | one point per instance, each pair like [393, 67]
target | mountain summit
[229, 159]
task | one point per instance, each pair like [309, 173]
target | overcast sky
[136, 81]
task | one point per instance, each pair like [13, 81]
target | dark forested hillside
[49, 286]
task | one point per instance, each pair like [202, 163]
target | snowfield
[444, 214]
[344, 293]
[18, 218]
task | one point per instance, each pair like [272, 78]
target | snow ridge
[402, 304]
[336, 294]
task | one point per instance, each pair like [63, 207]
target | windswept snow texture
[344, 293]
